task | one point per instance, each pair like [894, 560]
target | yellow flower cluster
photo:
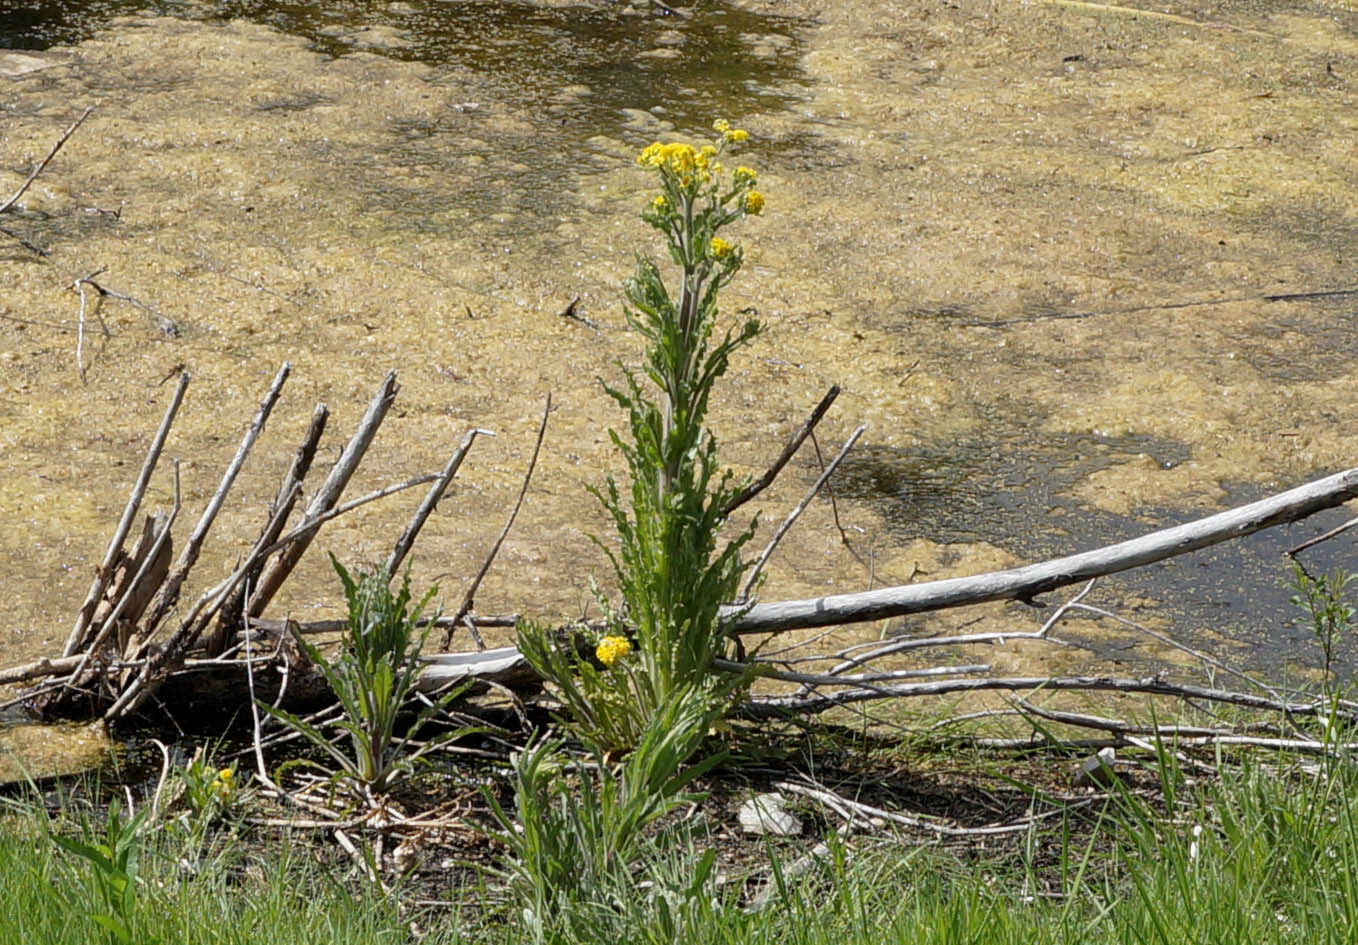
[729, 134]
[681, 159]
[754, 203]
[224, 783]
[611, 649]
[720, 248]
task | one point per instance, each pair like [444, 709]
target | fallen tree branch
[764, 707]
[1027, 582]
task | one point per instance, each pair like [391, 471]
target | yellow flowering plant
[672, 571]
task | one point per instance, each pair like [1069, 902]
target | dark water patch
[712, 61]
[1232, 599]
[980, 490]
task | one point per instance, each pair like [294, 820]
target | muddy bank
[1025, 239]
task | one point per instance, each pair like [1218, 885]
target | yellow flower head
[660, 203]
[744, 174]
[676, 156]
[754, 203]
[735, 136]
[611, 649]
[722, 125]
[226, 774]
[720, 248]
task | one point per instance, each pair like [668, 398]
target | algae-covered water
[1085, 269]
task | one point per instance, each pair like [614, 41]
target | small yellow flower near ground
[754, 203]
[660, 203]
[611, 649]
[744, 174]
[224, 783]
[720, 248]
[735, 136]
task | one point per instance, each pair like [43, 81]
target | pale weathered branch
[77, 638]
[1027, 582]
[761, 707]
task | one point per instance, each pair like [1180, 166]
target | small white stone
[768, 815]
[1096, 770]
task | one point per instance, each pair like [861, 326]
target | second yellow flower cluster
[611, 649]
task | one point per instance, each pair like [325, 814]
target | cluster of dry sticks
[130, 634]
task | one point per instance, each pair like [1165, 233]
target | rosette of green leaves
[373, 677]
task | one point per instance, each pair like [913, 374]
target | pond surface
[1085, 270]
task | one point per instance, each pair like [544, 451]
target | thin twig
[1338, 530]
[110, 623]
[790, 450]
[823, 679]
[824, 795]
[169, 591]
[325, 498]
[43, 163]
[468, 599]
[913, 643]
[776, 706]
[309, 527]
[115, 546]
[431, 501]
[796, 513]
[834, 508]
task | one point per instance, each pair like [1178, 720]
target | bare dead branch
[790, 450]
[468, 599]
[1027, 582]
[76, 640]
[762, 707]
[45, 161]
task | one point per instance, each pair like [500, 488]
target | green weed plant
[113, 860]
[1329, 614]
[589, 858]
[672, 570]
[373, 677]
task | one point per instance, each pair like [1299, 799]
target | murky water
[1085, 269]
